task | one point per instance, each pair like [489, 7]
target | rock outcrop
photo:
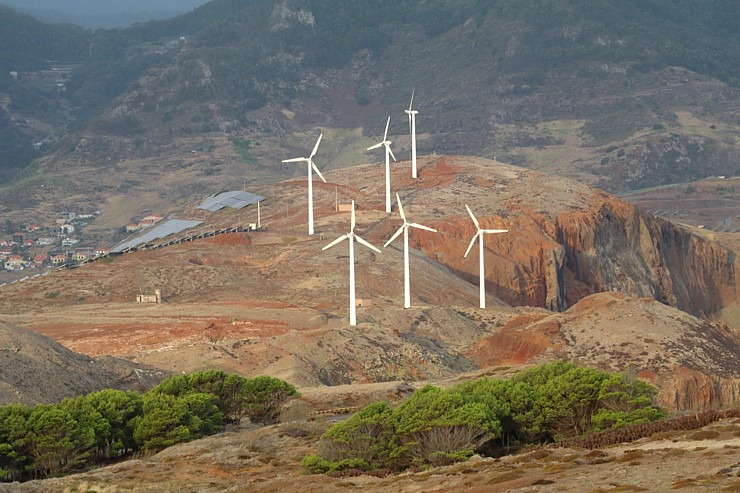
[693, 362]
[566, 242]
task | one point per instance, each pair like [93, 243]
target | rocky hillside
[272, 302]
[622, 96]
[35, 370]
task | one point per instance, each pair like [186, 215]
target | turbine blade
[494, 230]
[385, 135]
[295, 160]
[375, 146]
[316, 169]
[412, 100]
[388, 146]
[395, 235]
[316, 147]
[366, 243]
[400, 208]
[475, 221]
[472, 242]
[352, 220]
[421, 226]
[338, 240]
[410, 115]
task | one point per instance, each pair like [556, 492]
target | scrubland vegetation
[436, 427]
[97, 428]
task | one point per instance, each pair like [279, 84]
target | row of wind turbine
[403, 229]
[388, 154]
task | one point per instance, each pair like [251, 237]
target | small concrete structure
[363, 302]
[149, 298]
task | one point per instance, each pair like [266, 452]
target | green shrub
[436, 427]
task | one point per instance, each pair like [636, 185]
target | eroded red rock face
[566, 242]
[576, 277]
[693, 362]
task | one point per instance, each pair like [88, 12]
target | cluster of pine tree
[46, 440]
[435, 426]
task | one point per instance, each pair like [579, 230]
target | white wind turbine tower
[405, 229]
[412, 128]
[480, 234]
[309, 161]
[352, 237]
[387, 143]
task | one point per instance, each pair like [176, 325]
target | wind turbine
[309, 161]
[387, 143]
[412, 128]
[405, 229]
[480, 234]
[352, 237]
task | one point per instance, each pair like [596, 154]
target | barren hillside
[273, 302]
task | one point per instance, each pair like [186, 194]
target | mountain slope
[273, 302]
[35, 370]
[619, 94]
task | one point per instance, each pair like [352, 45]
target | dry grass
[507, 476]
[704, 435]
[297, 421]
[619, 487]
[559, 467]
[630, 455]
[683, 483]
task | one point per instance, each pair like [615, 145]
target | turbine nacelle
[406, 224]
[311, 166]
[351, 236]
[388, 154]
[481, 260]
[309, 159]
[479, 231]
[405, 230]
[412, 130]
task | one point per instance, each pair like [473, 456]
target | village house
[59, 258]
[66, 229]
[81, 255]
[45, 240]
[67, 242]
[15, 262]
[18, 238]
[32, 228]
[130, 228]
[149, 221]
[39, 259]
[68, 216]
[29, 243]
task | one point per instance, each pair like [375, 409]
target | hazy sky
[104, 7]
[94, 14]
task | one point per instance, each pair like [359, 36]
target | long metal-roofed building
[235, 199]
[170, 227]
